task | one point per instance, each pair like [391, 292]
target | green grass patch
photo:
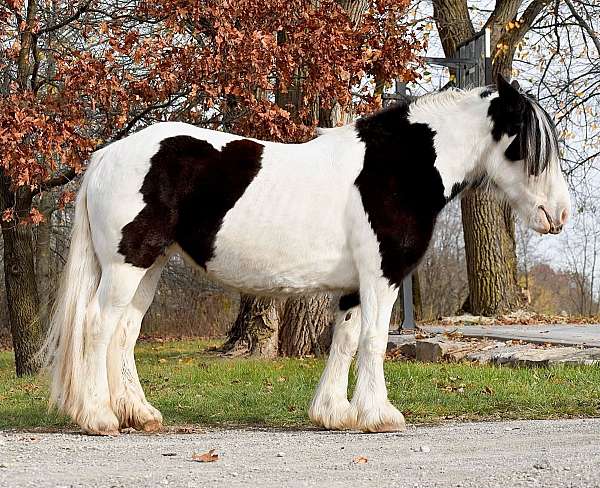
[192, 385]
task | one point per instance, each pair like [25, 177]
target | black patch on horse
[401, 190]
[349, 301]
[512, 113]
[188, 190]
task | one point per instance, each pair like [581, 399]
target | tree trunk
[417, 300]
[255, 331]
[19, 276]
[490, 244]
[490, 254]
[42, 257]
[305, 326]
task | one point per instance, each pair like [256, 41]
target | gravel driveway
[547, 454]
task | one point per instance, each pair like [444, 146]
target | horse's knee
[347, 330]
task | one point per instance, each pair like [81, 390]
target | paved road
[545, 454]
[564, 335]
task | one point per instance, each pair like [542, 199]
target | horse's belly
[279, 242]
[275, 262]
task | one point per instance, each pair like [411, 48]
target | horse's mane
[442, 98]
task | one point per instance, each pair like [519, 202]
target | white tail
[64, 347]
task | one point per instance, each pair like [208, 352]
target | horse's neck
[462, 132]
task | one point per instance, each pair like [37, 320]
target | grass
[192, 385]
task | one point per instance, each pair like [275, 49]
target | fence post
[409, 310]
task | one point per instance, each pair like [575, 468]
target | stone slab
[562, 335]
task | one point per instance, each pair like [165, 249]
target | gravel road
[547, 454]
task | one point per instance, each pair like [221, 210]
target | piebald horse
[352, 210]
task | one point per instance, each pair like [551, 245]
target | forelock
[541, 139]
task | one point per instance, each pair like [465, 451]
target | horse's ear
[509, 92]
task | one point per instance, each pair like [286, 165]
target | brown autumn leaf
[360, 460]
[206, 457]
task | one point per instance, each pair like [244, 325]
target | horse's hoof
[137, 414]
[152, 426]
[385, 418]
[100, 421]
[332, 414]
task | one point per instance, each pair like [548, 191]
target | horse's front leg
[330, 407]
[374, 412]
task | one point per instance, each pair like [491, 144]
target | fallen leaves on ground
[206, 457]
[519, 317]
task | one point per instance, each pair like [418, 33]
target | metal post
[409, 311]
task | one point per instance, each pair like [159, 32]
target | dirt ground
[498, 454]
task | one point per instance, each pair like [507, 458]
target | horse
[352, 210]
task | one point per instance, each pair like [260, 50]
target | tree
[488, 225]
[73, 76]
[302, 323]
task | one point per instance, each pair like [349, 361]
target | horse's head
[523, 163]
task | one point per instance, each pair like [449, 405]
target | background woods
[77, 75]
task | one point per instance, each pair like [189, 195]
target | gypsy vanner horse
[352, 210]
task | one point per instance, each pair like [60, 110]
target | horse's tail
[64, 347]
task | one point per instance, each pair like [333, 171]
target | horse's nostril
[563, 217]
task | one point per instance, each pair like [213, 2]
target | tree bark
[417, 300]
[490, 254]
[256, 329]
[19, 276]
[305, 326]
[19, 269]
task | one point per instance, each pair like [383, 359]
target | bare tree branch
[584, 25]
[84, 7]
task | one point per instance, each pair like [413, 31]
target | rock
[486, 354]
[280, 454]
[439, 348]
[401, 345]
[542, 465]
[468, 319]
[424, 449]
[581, 356]
[504, 355]
[542, 357]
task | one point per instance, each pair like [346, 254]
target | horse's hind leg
[330, 407]
[127, 396]
[117, 287]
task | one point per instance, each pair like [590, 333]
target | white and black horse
[352, 210]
